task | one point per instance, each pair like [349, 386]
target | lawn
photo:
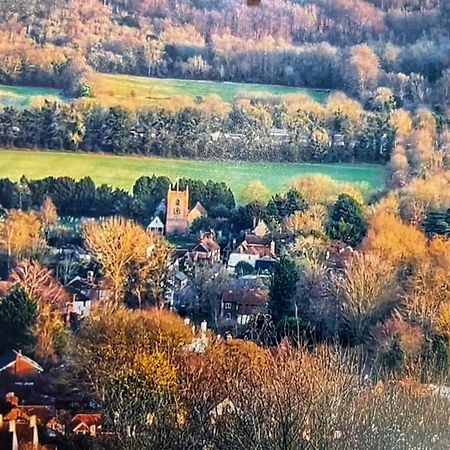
[138, 92]
[122, 171]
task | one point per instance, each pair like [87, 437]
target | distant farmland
[134, 92]
[122, 171]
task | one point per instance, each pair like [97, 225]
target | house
[207, 250]
[87, 423]
[19, 365]
[239, 304]
[197, 212]
[156, 226]
[251, 250]
[85, 292]
[45, 415]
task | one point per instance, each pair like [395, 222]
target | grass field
[122, 171]
[20, 96]
[137, 92]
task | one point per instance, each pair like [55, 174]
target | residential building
[207, 250]
[156, 226]
[87, 423]
[84, 292]
[239, 304]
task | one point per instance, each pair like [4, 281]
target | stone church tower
[177, 209]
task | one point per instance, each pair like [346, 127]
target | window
[228, 316]
[176, 211]
[227, 305]
[177, 202]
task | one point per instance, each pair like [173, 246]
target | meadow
[122, 171]
[136, 92]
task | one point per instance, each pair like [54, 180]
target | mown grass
[122, 171]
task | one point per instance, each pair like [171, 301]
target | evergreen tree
[17, 318]
[346, 221]
[282, 288]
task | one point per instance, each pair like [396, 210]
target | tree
[50, 299]
[346, 221]
[368, 293]
[17, 319]
[117, 243]
[244, 268]
[148, 277]
[49, 215]
[282, 288]
[255, 191]
[21, 234]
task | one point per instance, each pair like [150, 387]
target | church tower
[177, 210]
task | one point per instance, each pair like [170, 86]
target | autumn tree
[255, 191]
[48, 212]
[363, 68]
[148, 278]
[50, 298]
[367, 290]
[21, 234]
[117, 243]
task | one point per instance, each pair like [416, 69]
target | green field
[137, 92]
[122, 171]
[20, 96]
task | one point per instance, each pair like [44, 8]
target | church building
[177, 210]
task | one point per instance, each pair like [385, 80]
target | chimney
[272, 247]
[33, 425]
[90, 277]
[12, 429]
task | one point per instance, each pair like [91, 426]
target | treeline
[82, 198]
[296, 130]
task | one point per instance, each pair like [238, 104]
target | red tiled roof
[87, 418]
[245, 296]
